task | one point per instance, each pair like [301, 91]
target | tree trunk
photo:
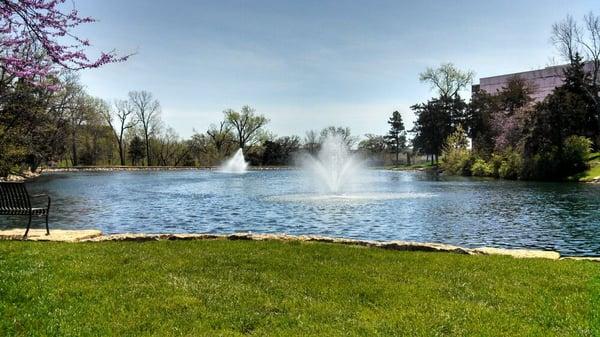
[121, 153]
[147, 149]
[407, 158]
[75, 160]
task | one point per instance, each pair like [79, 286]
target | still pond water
[383, 205]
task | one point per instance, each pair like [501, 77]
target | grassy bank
[594, 171]
[273, 288]
[415, 167]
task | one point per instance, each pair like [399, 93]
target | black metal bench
[14, 200]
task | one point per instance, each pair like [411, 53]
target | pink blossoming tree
[36, 40]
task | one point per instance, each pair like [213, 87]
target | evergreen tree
[436, 120]
[566, 113]
[136, 150]
[396, 137]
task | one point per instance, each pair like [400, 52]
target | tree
[575, 41]
[172, 151]
[221, 137]
[147, 112]
[136, 150]
[513, 106]
[456, 155]
[311, 141]
[246, 125]
[567, 111]
[33, 128]
[280, 150]
[479, 122]
[396, 137]
[432, 127]
[77, 115]
[447, 79]
[343, 133]
[439, 117]
[38, 39]
[120, 120]
[559, 128]
[374, 145]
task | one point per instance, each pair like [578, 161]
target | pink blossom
[30, 31]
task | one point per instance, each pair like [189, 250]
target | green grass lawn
[591, 173]
[230, 288]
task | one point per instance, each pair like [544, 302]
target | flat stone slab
[96, 236]
[62, 235]
[518, 253]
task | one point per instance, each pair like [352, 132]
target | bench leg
[47, 229]
[27, 230]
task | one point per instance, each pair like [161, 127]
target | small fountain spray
[334, 169]
[236, 164]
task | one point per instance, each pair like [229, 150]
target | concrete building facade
[542, 81]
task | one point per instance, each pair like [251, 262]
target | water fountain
[236, 164]
[334, 170]
[340, 176]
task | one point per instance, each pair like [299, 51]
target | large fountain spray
[235, 164]
[334, 168]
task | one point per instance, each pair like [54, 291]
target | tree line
[512, 135]
[67, 127]
[47, 117]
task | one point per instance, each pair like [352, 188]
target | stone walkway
[61, 235]
[97, 236]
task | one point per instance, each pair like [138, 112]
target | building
[542, 81]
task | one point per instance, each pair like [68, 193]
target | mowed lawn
[230, 288]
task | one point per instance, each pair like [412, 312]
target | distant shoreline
[154, 168]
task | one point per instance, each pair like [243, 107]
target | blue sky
[309, 64]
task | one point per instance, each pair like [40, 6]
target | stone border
[392, 245]
[97, 236]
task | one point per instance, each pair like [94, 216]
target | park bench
[14, 200]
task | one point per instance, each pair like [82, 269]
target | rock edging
[97, 236]
[392, 245]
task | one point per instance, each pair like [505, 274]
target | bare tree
[590, 41]
[246, 124]
[76, 113]
[220, 136]
[311, 141]
[565, 35]
[573, 40]
[172, 151]
[120, 120]
[147, 112]
[447, 79]
[342, 133]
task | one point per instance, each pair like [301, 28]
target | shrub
[481, 168]
[511, 165]
[456, 158]
[576, 150]
[456, 162]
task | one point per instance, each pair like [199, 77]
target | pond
[383, 205]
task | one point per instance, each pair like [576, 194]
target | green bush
[511, 165]
[481, 168]
[456, 158]
[507, 165]
[456, 162]
[576, 150]
[557, 164]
